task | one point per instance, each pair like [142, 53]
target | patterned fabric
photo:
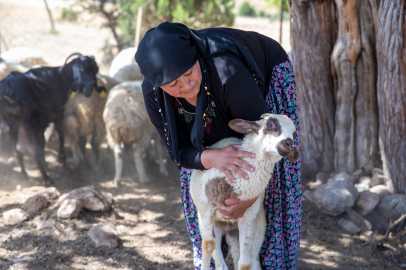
[283, 196]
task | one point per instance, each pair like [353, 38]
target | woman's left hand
[234, 208]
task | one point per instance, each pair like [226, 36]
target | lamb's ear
[243, 126]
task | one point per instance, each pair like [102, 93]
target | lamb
[30, 101]
[270, 138]
[83, 117]
[127, 122]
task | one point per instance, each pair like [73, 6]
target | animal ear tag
[72, 95]
[102, 94]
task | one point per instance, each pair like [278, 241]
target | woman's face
[186, 86]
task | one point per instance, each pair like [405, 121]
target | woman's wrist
[207, 158]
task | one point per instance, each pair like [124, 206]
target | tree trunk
[313, 25]
[353, 65]
[391, 44]
[50, 16]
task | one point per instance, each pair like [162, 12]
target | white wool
[24, 55]
[6, 68]
[123, 58]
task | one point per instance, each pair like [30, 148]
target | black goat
[30, 101]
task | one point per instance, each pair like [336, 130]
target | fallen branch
[380, 239]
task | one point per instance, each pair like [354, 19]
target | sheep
[127, 122]
[6, 68]
[83, 117]
[270, 138]
[24, 55]
[124, 58]
[129, 73]
[30, 101]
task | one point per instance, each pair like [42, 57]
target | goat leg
[59, 128]
[20, 159]
[40, 159]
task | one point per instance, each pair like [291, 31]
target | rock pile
[365, 202]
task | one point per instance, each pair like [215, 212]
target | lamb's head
[274, 135]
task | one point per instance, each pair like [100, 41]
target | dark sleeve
[189, 156]
[243, 98]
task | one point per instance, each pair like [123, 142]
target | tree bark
[313, 25]
[391, 87]
[353, 66]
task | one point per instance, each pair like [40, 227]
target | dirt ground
[148, 217]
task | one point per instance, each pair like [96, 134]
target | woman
[195, 82]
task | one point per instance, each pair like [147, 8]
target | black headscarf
[168, 51]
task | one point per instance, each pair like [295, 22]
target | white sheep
[24, 55]
[270, 138]
[124, 58]
[129, 73]
[127, 122]
[6, 68]
[83, 116]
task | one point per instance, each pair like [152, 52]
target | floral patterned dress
[283, 195]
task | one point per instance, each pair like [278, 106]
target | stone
[15, 216]
[366, 202]
[378, 177]
[104, 235]
[50, 193]
[342, 176]
[308, 194]
[91, 198]
[389, 208]
[381, 190]
[348, 226]
[321, 178]
[335, 197]
[364, 183]
[34, 204]
[358, 220]
[44, 215]
[357, 175]
[70, 208]
[49, 223]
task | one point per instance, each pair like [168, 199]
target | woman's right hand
[227, 160]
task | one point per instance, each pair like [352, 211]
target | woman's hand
[227, 160]
[234, 208]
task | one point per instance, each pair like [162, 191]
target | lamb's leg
[206, 226]
[118, 156]
[95, 148]
[247, 230]
[217, 254]
[139, 164]
[234, 247]
[258, 238]
[162, 168]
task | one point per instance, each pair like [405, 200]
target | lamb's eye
[269, 125]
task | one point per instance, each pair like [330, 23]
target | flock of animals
[77, 102]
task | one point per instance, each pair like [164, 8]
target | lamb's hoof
[116, 183]
[164, 172]
[144, 180]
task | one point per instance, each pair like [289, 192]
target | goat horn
[73, 54]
